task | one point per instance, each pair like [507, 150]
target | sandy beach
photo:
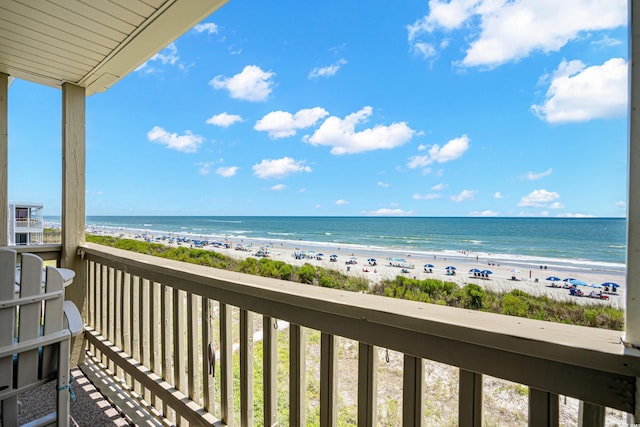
[506, 275]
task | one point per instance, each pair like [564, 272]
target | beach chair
[37, 326]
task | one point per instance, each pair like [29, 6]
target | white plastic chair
[35, 337]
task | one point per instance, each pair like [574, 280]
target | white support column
[632, 321]
[73, 197]
[4, 156]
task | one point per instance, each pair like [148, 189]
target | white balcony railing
[157, 322]
[29, 224]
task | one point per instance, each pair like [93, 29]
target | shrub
[475, 294]
[306, 273]
[513, 305]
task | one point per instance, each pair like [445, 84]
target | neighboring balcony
[24, 225]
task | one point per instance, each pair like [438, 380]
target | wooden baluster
[470, 399]
[412, 391]
[208, 357]
[297, 376]
[367, 385]
[246, 368]
[328, 385]
[270, 370]
[226, 365]
[543, 408]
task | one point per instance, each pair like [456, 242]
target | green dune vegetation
[471, 296]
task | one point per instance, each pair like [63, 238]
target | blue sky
[419, 108]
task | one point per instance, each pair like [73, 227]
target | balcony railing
[158, 323]
[29, 223]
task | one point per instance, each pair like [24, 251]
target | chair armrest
[73, 318]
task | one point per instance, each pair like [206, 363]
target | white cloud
[388, 212]
[498, 195]
[204, 168]
[574, 215]
[187, 143]
[341, 202]
[438, 187]
[207, 27]
[383, 184]
[426, 196]
[452, 150]
[328, 71]
[425, 50]
[341, 136]
[252, 84]
[578, 93]
[422, 147]
[484, 213]
[556, 205]
[620, 204]
[281, 124]
[224, 120]
[278, 187]
[227, 171]
[464, 195]
[533, 176]
[504, 31]
[167, 56]
[279, 168]
[538, 198]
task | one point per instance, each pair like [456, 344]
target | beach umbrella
[450, 267]
[320, 254]
[568, 279]
[553, 279]
[595, 285]
[486, 272]
[578, 282]
[610, 285]
[428, 265]
[371, 260]
[474, 270]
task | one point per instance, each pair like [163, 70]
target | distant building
[26, 226]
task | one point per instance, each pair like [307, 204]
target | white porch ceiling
[90, 43]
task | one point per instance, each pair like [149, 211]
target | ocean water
[591, 243]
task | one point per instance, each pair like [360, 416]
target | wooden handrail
[586, 363]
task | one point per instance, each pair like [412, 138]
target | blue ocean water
[593, 243]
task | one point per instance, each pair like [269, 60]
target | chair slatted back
[7, 314]
[29, 317]
[53, 318]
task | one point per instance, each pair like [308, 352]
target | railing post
[412, 391]
[328, 386]
[470, 399]
[544, 408]
[297, 376]
[367, 385]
